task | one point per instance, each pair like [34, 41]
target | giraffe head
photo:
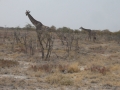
[81, 28]
[27, 12]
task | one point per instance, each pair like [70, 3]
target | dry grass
[52, 68]
[73, 67]
[115, 67]
[59, 79]
[95, 63]
[8, 63]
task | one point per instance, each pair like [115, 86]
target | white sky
[92, 14]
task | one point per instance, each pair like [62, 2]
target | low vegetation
[63, 57]
[8, 63]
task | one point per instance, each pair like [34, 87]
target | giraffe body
[91, 33]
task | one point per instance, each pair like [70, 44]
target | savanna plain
[61, 59]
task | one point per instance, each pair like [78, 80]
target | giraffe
[37, 24]
[40, 29]
[91, 33]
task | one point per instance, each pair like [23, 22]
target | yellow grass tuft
[115, 67]
[59, 79]
[54, 78]
[73, 67]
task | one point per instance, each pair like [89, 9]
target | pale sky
[92, 14]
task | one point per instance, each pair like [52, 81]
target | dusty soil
[95, 66]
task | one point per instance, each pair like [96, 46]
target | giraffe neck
[88, 30]
[34, 22]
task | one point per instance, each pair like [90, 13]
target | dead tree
[16, 36]
[5, 35]
[31, 47]
[69, 42]
[46, 43]
[61, 36]
[24, 37]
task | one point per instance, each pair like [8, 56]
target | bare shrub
[63, 68]
[45, 67]
[24, 37]
[69, 42]
[46, 43]
[17, 36]
[101, 69]
[5, 35]
[31, 47]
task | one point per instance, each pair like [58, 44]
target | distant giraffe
[37, 24]
[91, 33]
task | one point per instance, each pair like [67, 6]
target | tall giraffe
[37, 24]
[91, 33]
[40, 28]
